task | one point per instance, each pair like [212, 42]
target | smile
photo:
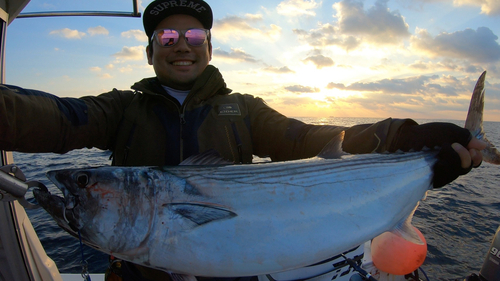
[182, 63]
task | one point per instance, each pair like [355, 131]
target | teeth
[182, 63]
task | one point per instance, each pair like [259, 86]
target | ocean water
[458, 220]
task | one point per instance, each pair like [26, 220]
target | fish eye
[82, 180]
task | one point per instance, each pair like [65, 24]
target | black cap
[158, 10]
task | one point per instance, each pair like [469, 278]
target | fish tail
[474, 121]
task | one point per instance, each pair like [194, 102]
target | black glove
[432, 135]
[448, 167]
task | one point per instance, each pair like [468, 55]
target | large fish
[241, 220]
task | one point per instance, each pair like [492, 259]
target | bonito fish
[241, 220]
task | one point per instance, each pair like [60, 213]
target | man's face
[179, 66]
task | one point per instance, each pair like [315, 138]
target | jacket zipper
[181, 140]
[181, 110]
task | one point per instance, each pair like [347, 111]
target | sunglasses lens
[196, 37]
[168, 37]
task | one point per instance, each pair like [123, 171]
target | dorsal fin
[181, 277]
[333, 149]
[209, 157]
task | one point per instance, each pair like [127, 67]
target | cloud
[414, 95]
[355, 26]
[444, 65]
[126, 69]
[297, 101]
[302, 89]
[320, 61]
[98, 30]
[280, 70]
[106, 76]
[478, 45]
[293, 8]
[235, 55]
[95, 69]
[68, 33]
[235, 28]
[416, 85]
[333, 85]
[130, 53]
[139, 35]
[326, 35]
[488, 7]
[377, 24]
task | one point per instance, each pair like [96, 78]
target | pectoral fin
[201, 213]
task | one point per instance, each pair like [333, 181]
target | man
[187, 109]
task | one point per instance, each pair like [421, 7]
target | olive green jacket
[148, 127]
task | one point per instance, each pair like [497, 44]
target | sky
[305, 58]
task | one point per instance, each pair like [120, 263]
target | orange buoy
[394, 255]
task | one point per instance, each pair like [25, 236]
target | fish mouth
[62, 179]
[60, 208]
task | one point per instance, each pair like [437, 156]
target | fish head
[95, 202]
[55, 206]
[79, 203]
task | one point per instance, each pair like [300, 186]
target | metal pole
[78, 13]
[135, 13]
[13, 267]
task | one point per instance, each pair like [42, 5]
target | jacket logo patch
[229, 109]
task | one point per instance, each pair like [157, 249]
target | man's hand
[471, 154]
[455, 160]
[459, 151]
